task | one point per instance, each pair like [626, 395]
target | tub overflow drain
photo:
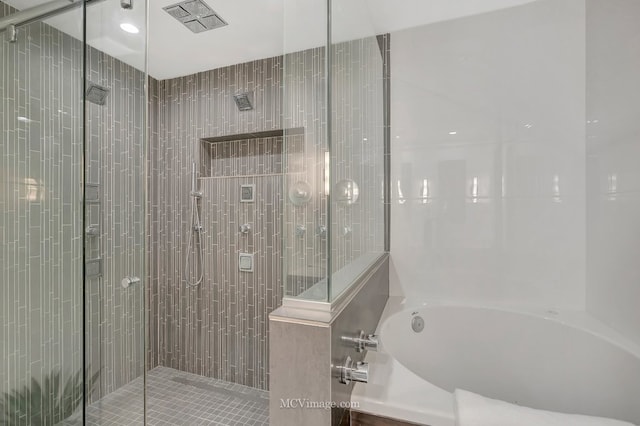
[417, 324]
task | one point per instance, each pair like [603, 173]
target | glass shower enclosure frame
[73, 205]
[337, 190]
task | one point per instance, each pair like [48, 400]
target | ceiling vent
[196, 15]
[96, 94]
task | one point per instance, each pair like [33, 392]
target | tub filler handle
[362, 341]
[353, 372]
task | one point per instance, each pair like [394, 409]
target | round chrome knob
[127, 281]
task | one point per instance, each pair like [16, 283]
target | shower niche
[285, 211]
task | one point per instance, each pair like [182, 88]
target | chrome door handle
[127, 281]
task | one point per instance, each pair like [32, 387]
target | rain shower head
[195, 15]
[243, 101]
[96, 94]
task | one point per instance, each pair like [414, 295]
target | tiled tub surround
[613, 171]
[516, 186]
[40, 205]
[511, 188]
[488, 157]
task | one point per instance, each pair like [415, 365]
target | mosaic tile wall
[201, 106]
[230, 308]
[219, 328]
[40, 206]
[153, 218]
[258, 156]
[236, 303]
[115, 161]
[288, 93]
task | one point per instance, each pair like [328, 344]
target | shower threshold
[178, 398]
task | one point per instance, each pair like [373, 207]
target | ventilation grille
[196, 15]
[243, 101]
[96, 94]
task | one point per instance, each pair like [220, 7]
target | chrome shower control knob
[301, 230]
[361, 372]
[127, 281]
[244, 228]
[362, 341]
[350, 372]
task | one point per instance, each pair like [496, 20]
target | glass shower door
[41, 283]
[115, 197]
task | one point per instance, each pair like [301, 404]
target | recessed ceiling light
[130, 28]
[24, 119]
[453, 133]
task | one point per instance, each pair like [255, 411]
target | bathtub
[560, 361]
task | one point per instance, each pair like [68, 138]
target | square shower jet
[247, 193]
[245, 262]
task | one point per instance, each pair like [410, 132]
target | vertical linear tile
[220, 329]
[116, 156]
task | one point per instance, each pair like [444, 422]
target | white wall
[613, 170]
[511, 84]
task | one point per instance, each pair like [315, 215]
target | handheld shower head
[194, 182]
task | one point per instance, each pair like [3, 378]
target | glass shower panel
[357, 133]
[41, 286]
[304, 116]
[115, 170]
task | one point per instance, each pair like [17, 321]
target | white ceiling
[257, 28]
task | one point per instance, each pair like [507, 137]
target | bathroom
[319, 212]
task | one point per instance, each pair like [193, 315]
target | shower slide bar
[46, 10]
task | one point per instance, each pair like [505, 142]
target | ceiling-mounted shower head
[243, 101]
[96, 94]
[195, 15]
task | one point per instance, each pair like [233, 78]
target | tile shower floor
[178, 398]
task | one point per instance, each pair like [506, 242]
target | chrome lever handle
[363, 341]
[354, 372]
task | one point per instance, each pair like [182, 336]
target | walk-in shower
[191, 215]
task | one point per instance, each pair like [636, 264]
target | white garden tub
[560, 361]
